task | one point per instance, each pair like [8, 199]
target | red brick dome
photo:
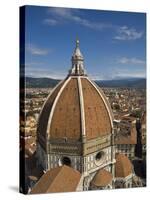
[76, 108]
[102, 178]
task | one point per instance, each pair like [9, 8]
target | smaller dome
[102, 178]
[123, 166]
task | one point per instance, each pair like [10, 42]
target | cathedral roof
[123, 166]
[60, 179]
[102, 178]
[74, 109]
[77, 108]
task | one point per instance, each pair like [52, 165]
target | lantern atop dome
[77, 61]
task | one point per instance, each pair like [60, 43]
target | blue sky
[113, 43]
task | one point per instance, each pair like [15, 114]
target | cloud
[43, 70]
[125, 33]
[51, 22]
[114, 73]
[64, 15]
[58, 16]
[30, 64]
[63, 12]
[118, 73]
[134, 61]
[127, 73]
[34, 50]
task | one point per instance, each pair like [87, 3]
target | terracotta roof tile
[97, 120]
[66, 119]
[102, 178]
[123, 166]
[44, 116]
[60, 179]
[130, 139]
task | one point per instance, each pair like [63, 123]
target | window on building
[66, 161]
[99, 155]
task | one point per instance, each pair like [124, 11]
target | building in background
[143, 135]
[126, 136]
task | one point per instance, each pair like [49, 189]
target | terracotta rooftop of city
[76, 108]
[123, 166]
[128, 139]
[60, 179]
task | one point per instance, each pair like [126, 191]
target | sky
[113, 43]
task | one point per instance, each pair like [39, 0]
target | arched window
[66, 161]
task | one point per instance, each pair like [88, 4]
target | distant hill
[40, 82]
[122, 83]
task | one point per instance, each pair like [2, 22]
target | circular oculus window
[66, 161]
[99, 158]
